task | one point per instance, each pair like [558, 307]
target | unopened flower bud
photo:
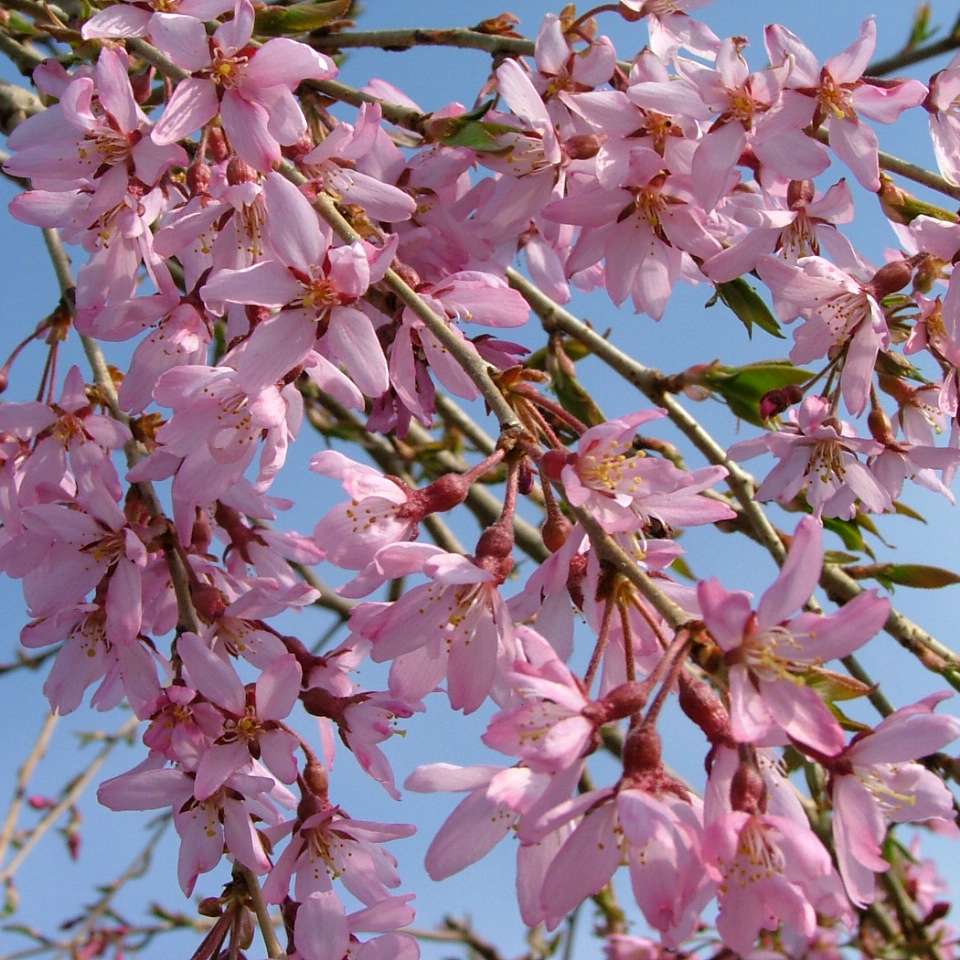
[496, 541]
[210, 907]
[409, 276]
[524, 477]
[553, 462]
[800, 193]
[642, 750]
[443, 494]
[299, 149]
[322, 703]
[881, 429]
[142, 85]
[239, 171]
[748, 792]
[315, 779]
[217, 144]
[621, 701]
[774, 402]
[890, 278]
[582, 146]
[554, 532]
[208, 601]
[198, 178]
[702, 705]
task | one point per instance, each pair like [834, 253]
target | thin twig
[264, 919]
[23, 781]
[840, 587]
[69, 798]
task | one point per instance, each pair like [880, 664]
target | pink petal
[285, 62]
[474, 828]
[858, 830]
[320, 931]
[218, 763]
[212, 676]
[183, 39]
[247, 126]
[278, 688]
[750, 719]
[295, 230]
[725, 613]
[849, 65]
[267, 283]
[803, 715]
[194, 103]
[798, 578]
[857, 145]
[584, 864]
[352, 341]
[113, 88]
[715, 160]
[119, 20]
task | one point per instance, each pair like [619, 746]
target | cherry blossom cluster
[266, 254]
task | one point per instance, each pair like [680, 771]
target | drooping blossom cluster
[271, 264]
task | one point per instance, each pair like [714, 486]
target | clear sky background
[53, 888]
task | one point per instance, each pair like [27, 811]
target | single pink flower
[769, 651]
[252, 726]
[877, 781]
[836, 93]
[251, 89]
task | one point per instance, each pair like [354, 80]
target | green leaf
[848, 723]
[681, 567]
[833, 686]
[749, 307]
[744, 387]
[919, 575]
[277, 21]
[906, 511]
[849, 533]
[838, 556]
[896, 365]
[866, 521]
[478, 135]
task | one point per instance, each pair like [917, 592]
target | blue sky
[53, 888]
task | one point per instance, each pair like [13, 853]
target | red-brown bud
[621, 701]
[554, 532]
[208, 601]
[322, 703]
[443, 494]
[774, 402]
[642, 750]
[210, 907]
[582, 146]
[702, 705]
[496, 542]
[890, 278]
[748, 792]
[553, 462]
[217, 148]
[315, 779]
[239, 171]
[198, 178]
[800, 193]
[881, 429]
